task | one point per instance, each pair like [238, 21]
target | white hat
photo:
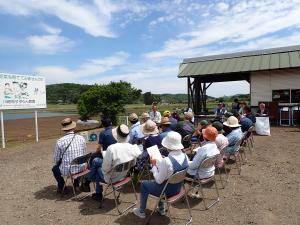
[172, 141]
[232, 121]
[149, 128]
[120, 133]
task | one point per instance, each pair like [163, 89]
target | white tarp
[22, 92]
[262, 126]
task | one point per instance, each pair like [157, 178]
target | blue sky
[142, 42]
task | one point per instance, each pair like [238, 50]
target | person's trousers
[60, 180]
[153, 188]
[96, 174]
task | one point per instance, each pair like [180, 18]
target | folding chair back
[122, 168]
[208, 162]
[177, 177]
[81, 159]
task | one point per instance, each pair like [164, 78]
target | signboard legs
[2, 130]
[36, 127]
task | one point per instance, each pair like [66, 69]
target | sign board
[22, 92]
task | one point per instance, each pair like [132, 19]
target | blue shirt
[164, 134]
[106, 138]
[233, 137]
[173, 123]
[246, 124]
[135, 133]
[251, 117]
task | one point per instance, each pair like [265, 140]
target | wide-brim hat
[232, 121]
[172, 141]
[149, 128]
[165, 121]
[145, 115]
[120, 133]
[67, 124]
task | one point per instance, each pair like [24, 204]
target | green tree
[108, 100]
[149, 98]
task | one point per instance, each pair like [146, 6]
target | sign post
[22, 92]
[2, 130]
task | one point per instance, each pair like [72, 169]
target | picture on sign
[22, 92]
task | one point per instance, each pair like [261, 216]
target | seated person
[172, 119]
[162, 170]
[165, 126]
[116, 154]
[197, 135]
[186, 127]
[209, 149]
[152, 138]
[135, 134]
[245, 122]
[262, 111]
[105, 137]
[235, 106]
[235, 134]
[249, 114]
[220, 110]
[67, 148]
[144, 117]
[241, 110]
[221, 141]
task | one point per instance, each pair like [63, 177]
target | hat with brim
[165, 121]
[232, 121]
[145, 115]
[149, 128]
[67, 124]
[120, 133]
[172, 141]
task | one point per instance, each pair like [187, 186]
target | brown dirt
[266, 192]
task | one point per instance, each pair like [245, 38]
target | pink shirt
[221, 141]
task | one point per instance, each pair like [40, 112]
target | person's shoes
[162, 209]
[138, 213]
[97, 196]
[85, 188]
[62, 191]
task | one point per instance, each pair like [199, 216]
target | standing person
[162, 171]
[235, 106]
[235, 135]
[221, 110]
[67, 148]
[155, 115]
[241, 110]
[116, 154]
[171, 118]
[135, 134]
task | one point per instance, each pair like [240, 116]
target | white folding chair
[236, 155]
[197, 182]
[116, 186]
[174, 179]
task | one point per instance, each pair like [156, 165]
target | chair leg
[116, 201]
[189, 209]
[73, 187]
[221, 179]
[202, 193]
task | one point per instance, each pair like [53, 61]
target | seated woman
[235, 134]
[150, 130]
[162, 170]
[197, 135]
[209, 149]
[262, 110]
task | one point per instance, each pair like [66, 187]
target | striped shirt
[76, 148]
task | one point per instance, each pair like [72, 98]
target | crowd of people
[117, 145]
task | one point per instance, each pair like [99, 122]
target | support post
[2, 130]
[36, 127]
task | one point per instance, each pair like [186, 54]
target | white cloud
[245, 21]
[85, 72]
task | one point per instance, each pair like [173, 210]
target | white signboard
[22, 92]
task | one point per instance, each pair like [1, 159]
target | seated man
[209, 149]
[106, 138]
[165, 126]
[245, 122]
[262, 111]
[197, 135]
[116, 154]
[186, 127]
[249, 114]
[135, 133]
[67, 148]
[173, 121]
[235, 135]
[144, 117]
[162, 171]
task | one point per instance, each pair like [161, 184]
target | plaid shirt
[76, 148]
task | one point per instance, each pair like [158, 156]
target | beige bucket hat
[120, 133]
[67, 124]
[149, 127]
[232, 121]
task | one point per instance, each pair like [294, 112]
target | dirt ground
[266, 192]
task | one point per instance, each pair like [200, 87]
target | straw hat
[210, 133]
[232, 121]
[120, 133]
[149, 128]
[172, 141]
[167, 113]
[133, 117]
[68, 124]
[145, 115]
[165, 120]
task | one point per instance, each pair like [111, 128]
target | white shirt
[164, 168]
[209, 149]
[155, 116]
[117, 154]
